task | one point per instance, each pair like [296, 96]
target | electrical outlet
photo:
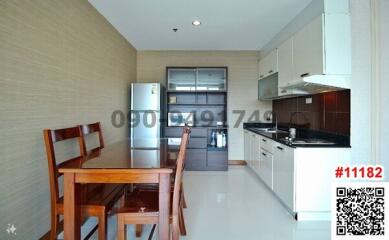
[308, 101]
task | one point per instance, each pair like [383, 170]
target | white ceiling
[226, 24]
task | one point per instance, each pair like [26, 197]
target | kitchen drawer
[217, 160]
[267, 144]
[196, 159]
[177, 132]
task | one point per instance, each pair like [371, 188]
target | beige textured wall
[384, 84]
[61, 63]
[242, 81]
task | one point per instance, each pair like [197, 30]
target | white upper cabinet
[308, 50]
[269, 64]
[286, 69]
[337, 44]
[285, 66]
[323, 48]
[315, 59]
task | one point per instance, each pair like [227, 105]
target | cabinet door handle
[304, 75]
[263, 140]
[264, 154]
[260, 76]
[280, 148]
[270, 71]
[283, 91]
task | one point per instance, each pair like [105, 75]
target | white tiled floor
[236, 205]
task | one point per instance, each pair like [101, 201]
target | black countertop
[340, 141]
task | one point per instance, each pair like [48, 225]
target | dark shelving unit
[203, 91]
[196, 104]
[213, 148]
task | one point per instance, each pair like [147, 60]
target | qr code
[360, 211]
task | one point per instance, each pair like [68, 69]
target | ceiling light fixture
[196, 23]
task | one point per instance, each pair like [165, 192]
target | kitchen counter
[291, 171]
[339, 141]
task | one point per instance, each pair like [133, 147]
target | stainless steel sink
[269, 130]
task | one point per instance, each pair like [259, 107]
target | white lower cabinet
[266, 167]
[251, 149]
[247, 145]
[283, 171]
[294, 174]
[267, 144]
[255, 146]
[258, 156]
[274, 164]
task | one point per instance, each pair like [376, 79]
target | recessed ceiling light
[196, 23]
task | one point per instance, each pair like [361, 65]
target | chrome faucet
[270, 116]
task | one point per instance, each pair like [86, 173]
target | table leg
[72, 213]
[164, 206]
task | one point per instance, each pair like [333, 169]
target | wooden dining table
[128, 161]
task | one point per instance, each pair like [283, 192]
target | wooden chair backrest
[180, 170]
[87, 129]
[51, 137]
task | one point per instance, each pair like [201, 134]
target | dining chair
[171, 157]
[96, 199]
[141, 205]
[87, 129]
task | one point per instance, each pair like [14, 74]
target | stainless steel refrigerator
[146, 110]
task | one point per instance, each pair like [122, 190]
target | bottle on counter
[213, 137]
[224, 139]
[219, 139]
[292, 133]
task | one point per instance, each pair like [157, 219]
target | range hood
[320, 83]
[268, 86]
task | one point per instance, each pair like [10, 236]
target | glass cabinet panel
[211, 79]
[268, 87]
[182, 79]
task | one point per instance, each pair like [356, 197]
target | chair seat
[150, 186]
[103, 195]
[154, 186]
[141, 201]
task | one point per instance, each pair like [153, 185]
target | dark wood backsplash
[328, 112]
